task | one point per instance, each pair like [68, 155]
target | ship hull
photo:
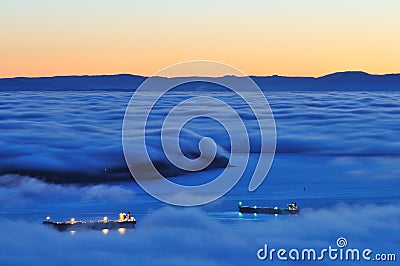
[90, 225]
[266, 210]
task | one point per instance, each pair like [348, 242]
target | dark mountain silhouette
[340, 81]
[74, 83]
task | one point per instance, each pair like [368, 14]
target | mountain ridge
[342, 81]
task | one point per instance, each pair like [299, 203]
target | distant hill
[340, 81]
[74, 83]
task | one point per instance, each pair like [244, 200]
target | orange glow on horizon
[261, 38]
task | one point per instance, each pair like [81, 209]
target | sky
[259, 37]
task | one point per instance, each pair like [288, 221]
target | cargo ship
[125, 221]
[291, 209]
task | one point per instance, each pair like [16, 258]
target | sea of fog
[61, 155]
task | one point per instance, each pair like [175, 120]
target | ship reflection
[106, 231]
[121, 231]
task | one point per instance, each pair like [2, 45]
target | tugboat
[291, 209]
[124, 221]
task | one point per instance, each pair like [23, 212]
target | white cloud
[20, 188]
[182, 236]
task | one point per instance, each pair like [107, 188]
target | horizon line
[144, 76]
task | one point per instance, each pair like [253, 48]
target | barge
[124, 222]
[291, 209]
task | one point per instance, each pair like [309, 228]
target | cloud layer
[15, 189]
[172, 236]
